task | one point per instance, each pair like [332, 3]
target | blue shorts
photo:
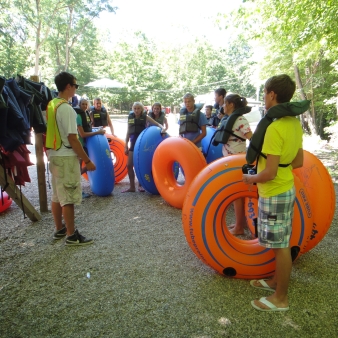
[275, 216]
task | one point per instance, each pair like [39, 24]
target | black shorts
[132, 141]
[132, 146]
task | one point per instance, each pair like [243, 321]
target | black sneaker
[77, 239]
[60, 233]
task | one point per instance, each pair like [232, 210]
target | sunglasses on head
[74, 85]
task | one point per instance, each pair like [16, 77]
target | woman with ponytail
[236, 144]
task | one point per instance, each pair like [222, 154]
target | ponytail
[238, 101]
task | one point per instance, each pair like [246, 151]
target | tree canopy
[300, 38]
[262, 38]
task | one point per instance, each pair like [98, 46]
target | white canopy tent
[106, 83]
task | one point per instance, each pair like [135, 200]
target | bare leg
[282, 277]
[240, 224]
[131, 173]
[68, 215]
[57, 215]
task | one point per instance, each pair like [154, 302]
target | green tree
[136, 64]
[68, 20]
[15, 51]
[300, 37]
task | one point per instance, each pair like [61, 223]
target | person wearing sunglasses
[63, 151]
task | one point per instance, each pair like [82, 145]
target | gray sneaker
[77, 239]
[60, 233]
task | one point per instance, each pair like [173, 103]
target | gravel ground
[141, 279]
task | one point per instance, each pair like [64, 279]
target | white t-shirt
[66, 121]
[234, 144]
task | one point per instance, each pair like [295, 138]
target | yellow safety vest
[53, 138]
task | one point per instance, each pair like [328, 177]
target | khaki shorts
[66, 180]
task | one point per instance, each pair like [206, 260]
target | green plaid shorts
[275, 216]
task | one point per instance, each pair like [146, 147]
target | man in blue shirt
[192, 121]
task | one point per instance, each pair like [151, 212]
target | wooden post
[34, 78]
[40, 166]
[13, 191]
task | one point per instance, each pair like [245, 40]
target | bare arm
[270, 171]
[77, 147]
[153, 122]
[166, 125]
[201, 135]
[85, 134]
[248, 135]
[110, 124]
[298, 160]
[268, 174]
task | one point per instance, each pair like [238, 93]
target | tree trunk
[37, 50]
[67, 37]
[307, 122]
[37, 39]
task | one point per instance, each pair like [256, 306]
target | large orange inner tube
[120, 159]
[320, 189]
[189, 157]
[203, 215]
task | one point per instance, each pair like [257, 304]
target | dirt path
[140, 278]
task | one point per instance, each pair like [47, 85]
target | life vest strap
[282, 165]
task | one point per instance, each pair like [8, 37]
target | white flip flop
[264, 286]
[272, 307]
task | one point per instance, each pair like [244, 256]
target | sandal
[264, 285]
[271, 307]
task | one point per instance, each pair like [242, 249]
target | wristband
[87, 161]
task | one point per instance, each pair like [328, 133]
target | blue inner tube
[211, 152]
[102, 179]
[144, 149]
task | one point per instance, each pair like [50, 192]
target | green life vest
[100, 118]
[86, 122]
[189, 121]
[53, 138]
[224, 129]
[136, 125]
[275, 112]
[160, 119]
